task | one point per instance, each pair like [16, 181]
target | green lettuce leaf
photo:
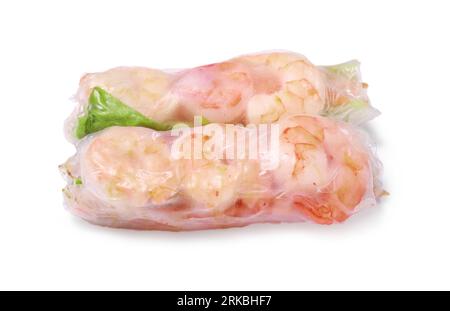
[350, 69]
[104, 110]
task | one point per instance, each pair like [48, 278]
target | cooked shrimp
[331, 170]
[209, 179]
[129, 166]
[302, 88]
[252, 89]
[218, 92]
[140, 88]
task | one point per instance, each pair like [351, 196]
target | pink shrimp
[220, 92]
[140, 88]
[332, 171]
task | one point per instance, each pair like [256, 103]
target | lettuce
[104, 110]
[349, 70]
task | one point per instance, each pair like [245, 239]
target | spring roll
[250, 89]
[314, 169]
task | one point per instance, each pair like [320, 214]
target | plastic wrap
[257, 88]
[316, 170]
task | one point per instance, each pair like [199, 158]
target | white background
[45, 46]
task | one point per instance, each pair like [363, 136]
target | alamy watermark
[228, 142]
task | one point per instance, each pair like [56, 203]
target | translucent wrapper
[250, 89]
[314, 169]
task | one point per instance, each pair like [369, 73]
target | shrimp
[210, 180]
[140, 88]
[329, 170]
[218, 92]
[129, 167]
[302, 88]
[252, 89]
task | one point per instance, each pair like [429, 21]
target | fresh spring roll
[314, 169]
[259, 88]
